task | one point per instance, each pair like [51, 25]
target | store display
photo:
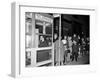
[38, 35]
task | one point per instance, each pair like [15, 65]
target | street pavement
[81, 60]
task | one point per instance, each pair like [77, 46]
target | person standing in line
[69, 48]
[87, 45]
[79, 46]
[58, 51]
[83, 46]
[75, 38]
[74, 51]
[65, 42]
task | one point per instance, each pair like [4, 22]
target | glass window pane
[43, 55]
[45, 41]
[48, 29]
[39, 26]
[28, 29]
[28, 41]
[28, 58]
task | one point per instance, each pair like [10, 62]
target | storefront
[39, 39]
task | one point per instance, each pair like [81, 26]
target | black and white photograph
[55, 39]
[52, 40]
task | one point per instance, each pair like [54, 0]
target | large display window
[38, 37]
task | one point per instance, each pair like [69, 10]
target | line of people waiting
[69, 48]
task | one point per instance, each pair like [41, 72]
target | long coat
[58, 51]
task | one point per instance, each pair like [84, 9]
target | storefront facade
[39, 39]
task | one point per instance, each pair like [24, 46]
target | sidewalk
[82, 60]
